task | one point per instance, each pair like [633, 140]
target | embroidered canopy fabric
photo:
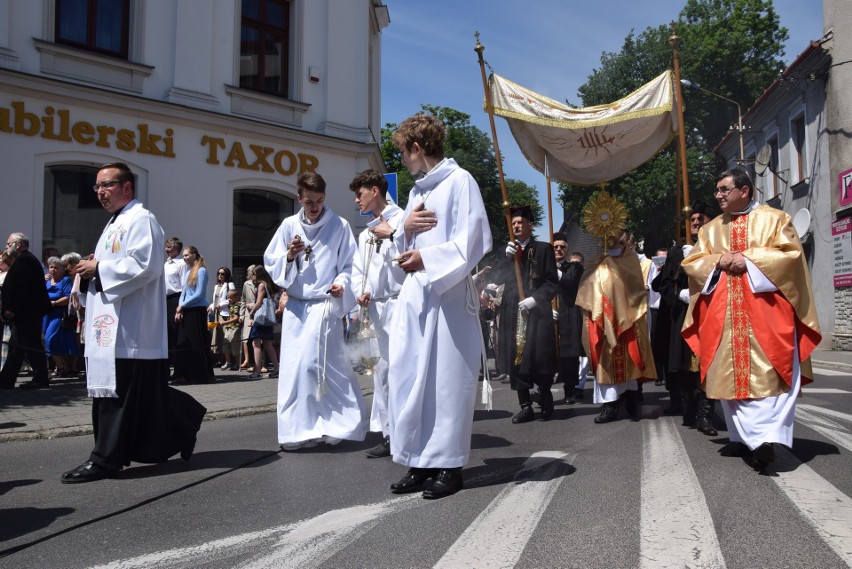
[592, 144]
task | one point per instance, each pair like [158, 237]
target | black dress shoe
[525, 415]
[416, 480]
[609, 413]
[546, 414]
[763, 456]
[381, 450]
[87, 472]
[704, 425]
[448, 482]
[34, 385]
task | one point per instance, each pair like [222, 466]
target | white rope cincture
[321, 387]
[472, 307]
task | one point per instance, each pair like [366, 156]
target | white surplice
[436, 345]
[130, 275]
[384, 279]
[318, 393]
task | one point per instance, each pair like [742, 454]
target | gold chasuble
[615, 332]
[745, 340]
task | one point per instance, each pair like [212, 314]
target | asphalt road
[563, 493]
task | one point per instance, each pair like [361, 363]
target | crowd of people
[426, 322]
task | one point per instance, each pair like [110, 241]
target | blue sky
[548, 46]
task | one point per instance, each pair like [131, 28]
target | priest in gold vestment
[752, 319]
[614, 301]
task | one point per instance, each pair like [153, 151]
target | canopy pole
[489, 108]
[674, 40]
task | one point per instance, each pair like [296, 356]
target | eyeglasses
[106, 185]
[221, 274]
[725, 191]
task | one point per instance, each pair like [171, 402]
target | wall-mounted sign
[841, 233]
[845, 181]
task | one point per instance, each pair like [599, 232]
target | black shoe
[381, 450]
[577, 397]
[609, 413]
[87, 472]
[416, 480]
[763, 456]
[448, 482]
[660, 382]
[704, 425]
[34, 385]
[734, 450]
[546, 414]
[525, 415]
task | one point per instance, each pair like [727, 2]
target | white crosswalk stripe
[498, 536]
[820, 420]
[676, 528]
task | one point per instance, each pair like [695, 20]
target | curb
[831, 364]
[83, 430]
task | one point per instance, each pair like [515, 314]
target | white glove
[511, 250]
[526, 304]
[683, 295]
[687, 249]
[555, 315]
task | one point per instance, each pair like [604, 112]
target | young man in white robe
[377, 280]
[435, 350]
[311, 256]
[135, 414]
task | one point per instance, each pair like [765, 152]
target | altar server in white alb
[135, 414]
[377, 280]
[310, 256]
[436, 347]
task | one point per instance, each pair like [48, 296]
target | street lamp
[691, 85]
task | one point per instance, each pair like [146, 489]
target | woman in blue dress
[59, 342]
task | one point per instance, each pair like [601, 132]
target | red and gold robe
[615, 332]
[745, 340]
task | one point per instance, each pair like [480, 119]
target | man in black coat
[25, 302]
[537, 365]
[570, 318]
[682, 376]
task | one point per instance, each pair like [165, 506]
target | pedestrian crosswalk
[689, 505]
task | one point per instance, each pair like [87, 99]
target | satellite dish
[802, 222]
[761, 163]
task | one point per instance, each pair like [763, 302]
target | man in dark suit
[537, 365]
[569, 317]
[682, 378]
[25, 302]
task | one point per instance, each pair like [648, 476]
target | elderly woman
[249, 297]
[58, 339]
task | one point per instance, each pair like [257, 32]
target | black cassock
[540, 281]
[570, 315]
[671, 280]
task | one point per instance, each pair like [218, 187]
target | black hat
[560, 237]
[524, 211]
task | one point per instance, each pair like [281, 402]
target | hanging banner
[592, 144]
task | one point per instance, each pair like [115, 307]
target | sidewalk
[64, 409]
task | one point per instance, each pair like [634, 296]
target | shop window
[72, 216]
[257, 215]
[102, 26]
[265, 46]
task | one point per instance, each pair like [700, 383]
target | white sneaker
[331, 440]
[302, 444]
[225, 367]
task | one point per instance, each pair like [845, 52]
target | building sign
[841, 232]
[58, 124]
[845, 180]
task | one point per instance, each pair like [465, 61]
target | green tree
[472, 149]
[729, 47]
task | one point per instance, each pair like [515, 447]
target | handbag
[69, 319]
[265, 315]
